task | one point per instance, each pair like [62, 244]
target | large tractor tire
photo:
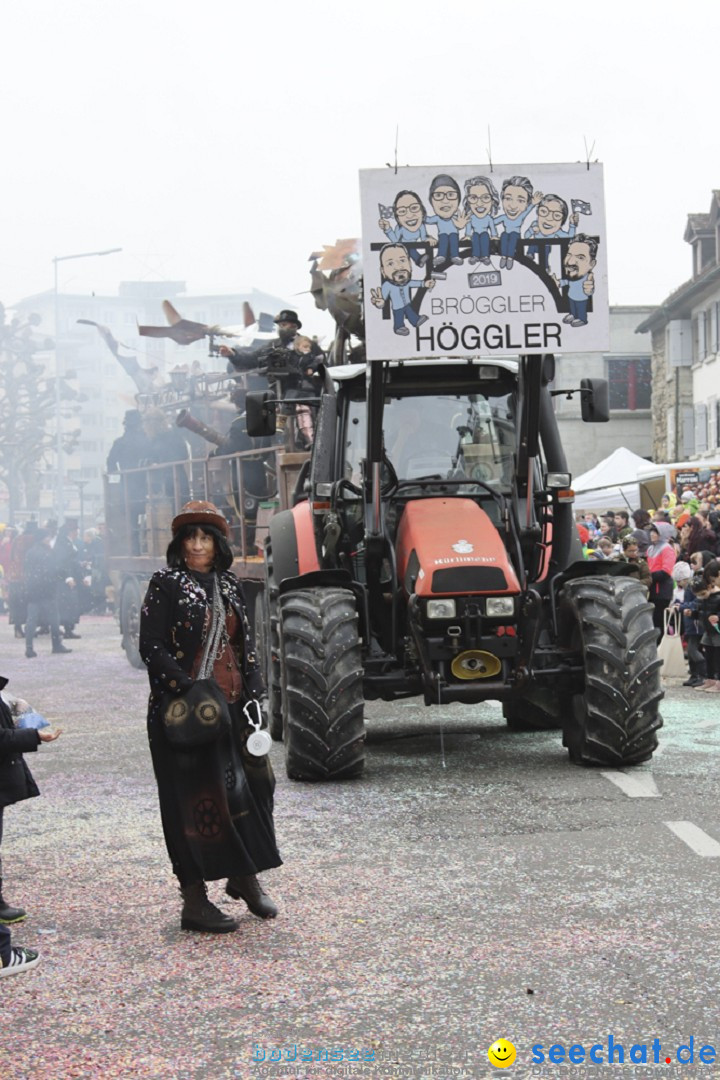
[322, 683]
[614, 721]
[266, 643]
[130, 604]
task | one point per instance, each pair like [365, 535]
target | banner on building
[468, 260]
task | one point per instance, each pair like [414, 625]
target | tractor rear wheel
[322, 684]
[614, 721]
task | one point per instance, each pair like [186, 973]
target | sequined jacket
[172, 623]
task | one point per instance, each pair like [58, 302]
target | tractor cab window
[449, 436]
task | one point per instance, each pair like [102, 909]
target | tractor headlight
[441, 609]
[499, 605]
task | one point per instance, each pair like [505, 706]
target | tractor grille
[465, 579]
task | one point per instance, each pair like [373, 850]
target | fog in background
[219, 143]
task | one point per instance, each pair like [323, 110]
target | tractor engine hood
[450, 546]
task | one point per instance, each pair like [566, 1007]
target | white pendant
[259, 743]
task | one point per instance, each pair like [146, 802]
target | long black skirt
[216, 804]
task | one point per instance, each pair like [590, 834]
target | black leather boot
[198, 913]
[249, 889]
[10, 914]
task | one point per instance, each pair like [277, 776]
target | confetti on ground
[403, 929]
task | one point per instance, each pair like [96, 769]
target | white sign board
[467, 261]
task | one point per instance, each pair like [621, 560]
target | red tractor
[431, 550]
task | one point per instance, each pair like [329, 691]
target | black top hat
[288, 316]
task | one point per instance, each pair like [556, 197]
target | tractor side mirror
[260, 413]
[594, 401]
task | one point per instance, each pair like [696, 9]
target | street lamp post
[60, 495]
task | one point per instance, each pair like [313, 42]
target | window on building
[701, 335]
[707, 251]
[630, 379]
[701, 428]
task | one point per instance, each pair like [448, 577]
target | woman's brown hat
[201, 513]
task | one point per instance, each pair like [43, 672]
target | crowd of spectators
[49, 578]
[676, 552]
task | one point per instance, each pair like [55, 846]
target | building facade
[685, 332]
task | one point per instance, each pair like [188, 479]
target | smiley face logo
[501, 1054]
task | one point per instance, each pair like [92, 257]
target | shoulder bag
[197, 717]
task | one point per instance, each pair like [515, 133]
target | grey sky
[219, 143]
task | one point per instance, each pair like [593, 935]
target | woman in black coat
[216, 799]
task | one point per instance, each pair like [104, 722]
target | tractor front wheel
[608, 622]
[322, 684]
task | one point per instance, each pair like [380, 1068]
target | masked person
[44, 578]
[127, 454]
[216, 799]
[67, 559]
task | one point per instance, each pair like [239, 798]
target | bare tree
[28, 412]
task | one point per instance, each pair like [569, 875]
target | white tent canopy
[612, 484]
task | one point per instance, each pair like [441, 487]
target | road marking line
[635, 785]
[692, 835]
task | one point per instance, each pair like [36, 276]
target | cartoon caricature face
[445, 201]
[515, 200]
[551, 215]
[409, 211]
[395, 264]
[578, 261]
[480, 200]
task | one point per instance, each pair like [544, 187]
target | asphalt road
[472, 886]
